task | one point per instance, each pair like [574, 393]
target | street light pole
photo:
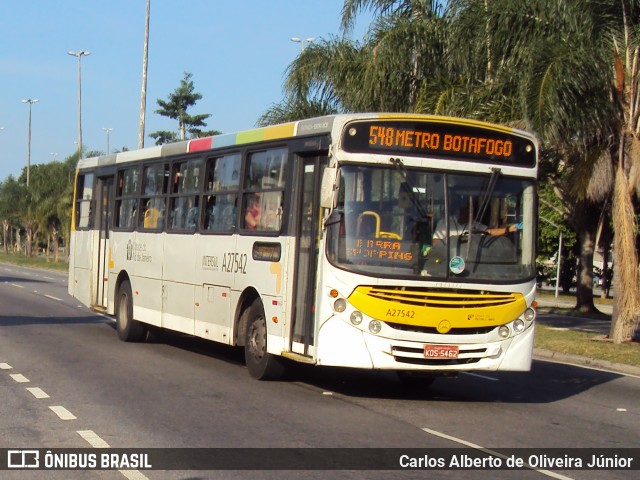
[79, 55]
[302, 41]
[107, 129]
[559, 251]
[30, 101]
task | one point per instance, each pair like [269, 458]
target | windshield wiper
[409, 188]
[486, 197]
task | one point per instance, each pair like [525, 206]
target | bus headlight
[529, 314]
[340, 305]
[518, 325]
[375, 326]
[503, 331]
[356, 317]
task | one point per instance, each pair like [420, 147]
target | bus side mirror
[327, 189]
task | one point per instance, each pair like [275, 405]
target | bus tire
[261, 364]
[129, 330]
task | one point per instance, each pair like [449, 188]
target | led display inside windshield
[435, 139]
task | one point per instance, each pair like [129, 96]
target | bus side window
[220, 200]
[84, 207]
[264, 184]
[153, 203]
[127, 191]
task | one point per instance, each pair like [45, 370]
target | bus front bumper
[341, 344]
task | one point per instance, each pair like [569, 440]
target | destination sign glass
[437, 139]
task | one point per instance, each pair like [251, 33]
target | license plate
[441, 351]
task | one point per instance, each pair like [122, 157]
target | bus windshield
[397, 222]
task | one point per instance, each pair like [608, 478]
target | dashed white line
[96, 442]
[5, 366]
[548, 473]
[38, 392]
[484, 377]
[53, 298]
[63, 413]
[18, 377]
[16, 285]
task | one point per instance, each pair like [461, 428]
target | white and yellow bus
[341, 241]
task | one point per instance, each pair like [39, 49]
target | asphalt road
[66, 381]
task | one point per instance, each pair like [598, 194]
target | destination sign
[436, 139]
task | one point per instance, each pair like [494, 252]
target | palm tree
[587, 111]
[536, 64]
[540, 64]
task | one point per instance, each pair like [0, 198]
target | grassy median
[39, 262]
[571, 341]
[586, 344]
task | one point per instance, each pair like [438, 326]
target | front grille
[432, 330]
[441, 298]
[415, 356]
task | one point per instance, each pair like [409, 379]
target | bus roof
[312, 126]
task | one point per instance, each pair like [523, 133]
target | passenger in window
[252, 215]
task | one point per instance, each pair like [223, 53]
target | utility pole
[143, 93]
[79, 55]
[30, 101]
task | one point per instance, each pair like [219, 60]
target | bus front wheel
[261, 364]
[129, 330]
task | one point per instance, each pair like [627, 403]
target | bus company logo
[444, 326]
[210, 262]
[23, 459]
[137, 252]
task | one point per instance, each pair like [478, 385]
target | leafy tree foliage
[40, 214]
[564, 69]
[175, 107]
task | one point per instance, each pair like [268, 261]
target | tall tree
[12, 195]
[175, 107]
[588, 112]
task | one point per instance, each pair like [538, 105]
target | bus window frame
[119, 198]
[90, 201]
[177, 195]
[214, 193]
[248, 191]
[150, 197]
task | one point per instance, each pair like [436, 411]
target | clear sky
[237, 51]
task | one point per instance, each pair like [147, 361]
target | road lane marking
[16, 285]
[63, 413]
[548, 473]
[96, 442]
[38, 392]
[53, 298]
[484, 377]
[18, 377]
[5, 366]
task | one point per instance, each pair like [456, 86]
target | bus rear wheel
[129, 330]
[261, 364]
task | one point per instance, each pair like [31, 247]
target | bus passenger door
[308, 217]
[100, 261]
